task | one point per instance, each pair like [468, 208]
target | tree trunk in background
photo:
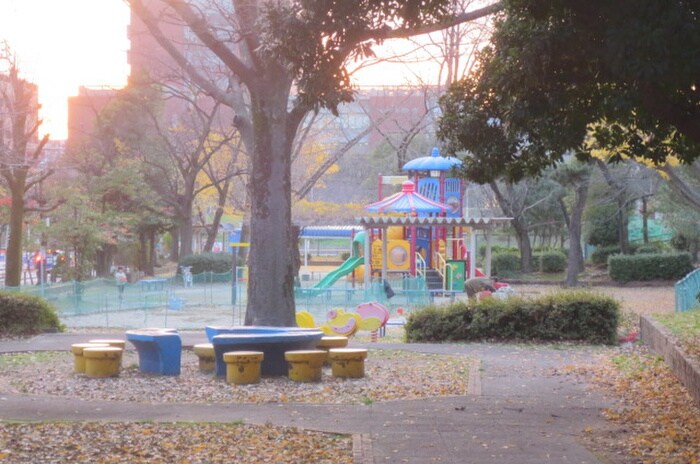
[149, 247]
[213, 231]
[13, 259]
[575, 264]
[520, 226]
[143, 252]
[175, 245]
[186, 231]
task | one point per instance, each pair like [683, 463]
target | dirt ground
[642, 300]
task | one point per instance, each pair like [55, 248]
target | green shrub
[218, 263]
[551, 261]
[567, 316]
[497, 249]
[505, 263]
[644, 267]
[600, 255]
[647, 250]
[25, 315]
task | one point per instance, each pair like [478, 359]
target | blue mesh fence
[687, 292]
[210, 299]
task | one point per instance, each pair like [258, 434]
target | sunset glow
[63, 44]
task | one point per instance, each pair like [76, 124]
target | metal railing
[687, 292]
[420, 265]
[441, 268]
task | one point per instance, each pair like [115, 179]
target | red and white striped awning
[407, 201]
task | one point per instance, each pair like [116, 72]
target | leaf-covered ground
[656, 421]
[177, 443]
[389, 375]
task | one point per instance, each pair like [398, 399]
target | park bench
[159, 350]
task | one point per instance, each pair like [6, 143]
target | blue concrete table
[159, 350]
[272, 341]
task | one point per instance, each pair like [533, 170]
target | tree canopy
[280, 60]
[618, 75]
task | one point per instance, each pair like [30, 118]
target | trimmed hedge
[505, 263]
[26, 315]
[643, 267]
[600, 255]
[218, 263]
[647, 249]
[551, 261]
[567, 316]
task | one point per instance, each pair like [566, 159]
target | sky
[61, 45]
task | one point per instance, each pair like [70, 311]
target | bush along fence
[26, 315]
[687, 291]
[644, 267]
[567, 316]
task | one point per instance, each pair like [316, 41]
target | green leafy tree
[270, 50]
[560, 68]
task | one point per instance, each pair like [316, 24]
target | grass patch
[685, 327]
[10, 361]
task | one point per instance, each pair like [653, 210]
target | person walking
[120, 276]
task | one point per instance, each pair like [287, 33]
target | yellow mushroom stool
[102, 361]
[305, 365]
[348, 362]
[205, 353]
[327, 342]
[78, 359]
[243, 367]
[111, 342]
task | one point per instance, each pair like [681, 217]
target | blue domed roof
[434, 162]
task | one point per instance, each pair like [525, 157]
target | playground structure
[419, 234]
[370, 316]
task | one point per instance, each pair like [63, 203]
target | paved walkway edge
[362, 449]
[660, 341]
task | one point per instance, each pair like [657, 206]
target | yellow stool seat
[305, 365]
[207, 358]
[328, 342]
[111, 342]
[243, 367]
[347, 362]
[102, 361]
[78, 359]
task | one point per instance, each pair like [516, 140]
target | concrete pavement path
[519, 410]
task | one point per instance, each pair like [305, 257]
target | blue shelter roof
[434, 162]
[329, 231]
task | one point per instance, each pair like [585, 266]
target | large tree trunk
[270, 219]
[575, 264]
[13, 262]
